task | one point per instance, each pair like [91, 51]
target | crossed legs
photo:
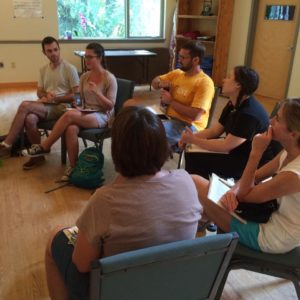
[69, 124]
[28, 115]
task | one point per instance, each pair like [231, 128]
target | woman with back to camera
[282, 232]
[98, 91]
[144, 206]
[242, 118]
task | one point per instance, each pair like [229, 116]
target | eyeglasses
[89, 56]
[183, 57]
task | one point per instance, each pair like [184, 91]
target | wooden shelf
[212, 18]
[180, 36]
[190, 20]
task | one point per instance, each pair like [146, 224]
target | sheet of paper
[217, 188]
[191, 148]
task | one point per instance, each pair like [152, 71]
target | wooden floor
[27, 214]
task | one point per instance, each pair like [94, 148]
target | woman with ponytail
[98, 91]
[241, 119]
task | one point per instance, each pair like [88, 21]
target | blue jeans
[174, 129]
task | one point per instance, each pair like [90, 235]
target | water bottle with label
[77, 99]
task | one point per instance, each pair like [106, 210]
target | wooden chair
[285, 266]
[211, 113]
[189, 269]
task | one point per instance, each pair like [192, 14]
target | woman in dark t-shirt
[241, 119]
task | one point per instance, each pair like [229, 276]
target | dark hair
[49, 40]
[248, 80]
[196, 48]
[99, 51]
[139, 144]
[291, 114]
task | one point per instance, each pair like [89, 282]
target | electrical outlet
[1, 65]
[13, 65]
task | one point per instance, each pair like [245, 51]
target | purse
[257, 212]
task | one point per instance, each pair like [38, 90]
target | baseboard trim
[31, 84]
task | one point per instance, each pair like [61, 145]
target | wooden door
[273, 48]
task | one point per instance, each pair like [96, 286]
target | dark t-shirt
[245, 122]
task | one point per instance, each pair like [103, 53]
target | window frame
[127, 37]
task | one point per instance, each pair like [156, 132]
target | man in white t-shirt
[58, 81]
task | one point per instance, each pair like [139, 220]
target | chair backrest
[275, 109]
[125, 92]
[213, 106]
[189, 269]
[210, 117]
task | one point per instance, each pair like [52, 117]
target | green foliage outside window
[108, 19]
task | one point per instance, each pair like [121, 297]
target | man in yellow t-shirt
[186, 92]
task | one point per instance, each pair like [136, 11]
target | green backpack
[88, 170]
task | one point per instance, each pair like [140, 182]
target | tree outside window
[110, 19]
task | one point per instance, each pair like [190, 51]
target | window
[110, 19]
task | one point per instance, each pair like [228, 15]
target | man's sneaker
[35, 150]
[34, 162]
[66, 176]
[4, 150]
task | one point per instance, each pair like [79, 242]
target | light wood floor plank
[27, 215]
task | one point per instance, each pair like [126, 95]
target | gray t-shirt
[139, 213]
[60, 80]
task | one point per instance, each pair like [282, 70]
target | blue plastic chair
[189, 269]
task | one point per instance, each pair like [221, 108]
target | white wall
[294, 87]
[28, 57]
[239, 33]
[238, 44]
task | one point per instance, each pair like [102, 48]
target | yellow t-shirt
[195, 91]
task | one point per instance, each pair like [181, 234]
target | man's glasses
[89, 56]
[183, 57]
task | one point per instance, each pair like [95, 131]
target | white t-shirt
[60, 80]
[139, 213]
[282, 232]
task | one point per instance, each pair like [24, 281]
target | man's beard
[186, 68]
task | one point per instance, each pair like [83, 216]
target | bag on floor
[88, 171]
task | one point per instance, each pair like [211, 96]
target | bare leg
[72, 117]
[25, 108]
[214, 212]
[72, 144]
[56, 286]
[132, 102]
[32, 131]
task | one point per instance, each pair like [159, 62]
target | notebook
[217, 188]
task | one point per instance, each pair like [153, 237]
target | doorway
[272, 41]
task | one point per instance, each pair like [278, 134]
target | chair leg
[297, 287]
[84, 142]
[63, 149]
[180, 159]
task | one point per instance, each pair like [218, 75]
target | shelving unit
[216, 27]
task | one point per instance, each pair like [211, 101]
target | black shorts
[76, 282]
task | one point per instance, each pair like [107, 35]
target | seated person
[282, 232]
[186, 92]
[57, 83]
[240, 120]
[98, 90]
[144, 206]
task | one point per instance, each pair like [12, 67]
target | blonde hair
[291, 114]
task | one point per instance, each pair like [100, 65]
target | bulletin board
[15, 27]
